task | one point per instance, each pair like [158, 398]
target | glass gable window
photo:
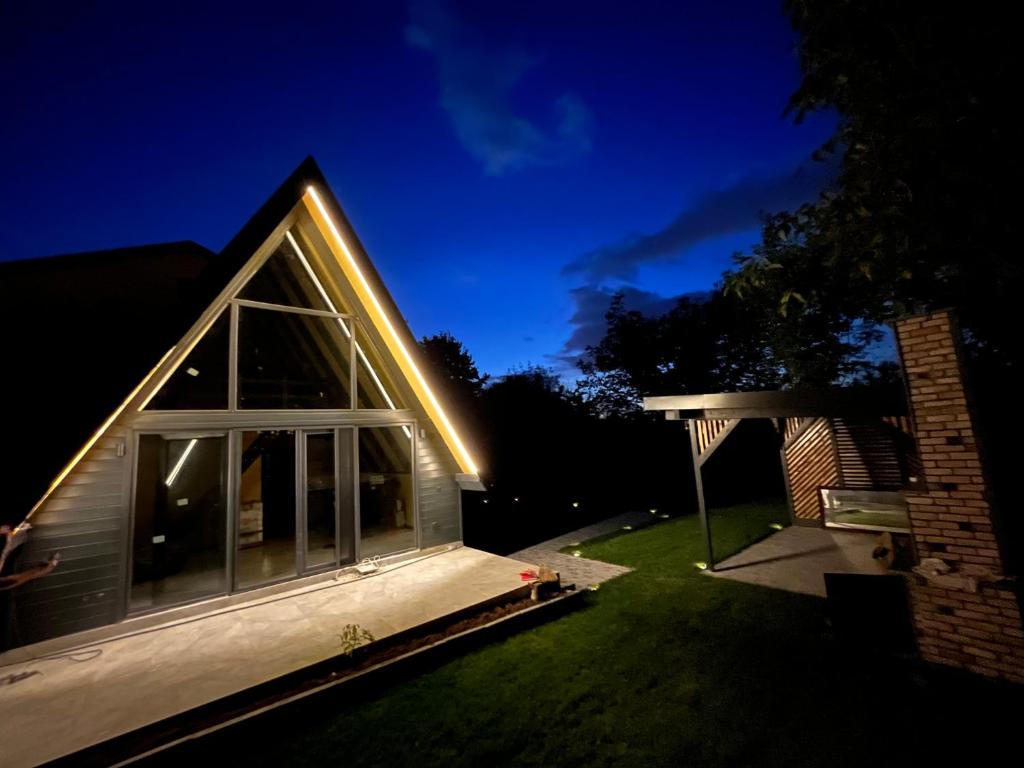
[287, 278]
[200, 383]
[373, 384]
[291, 360]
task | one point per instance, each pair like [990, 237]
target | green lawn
[664, 667]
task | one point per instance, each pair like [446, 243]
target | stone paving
[581, 571]
[53, 705]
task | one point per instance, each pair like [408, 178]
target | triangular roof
[189, 281]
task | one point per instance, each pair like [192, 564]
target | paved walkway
[53, 705]
[579, 570]
[796, 559]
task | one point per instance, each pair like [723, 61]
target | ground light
[577, 553]
[700, 565]
[775, 526]
[664, 515]
[575, 505]
[627, 527]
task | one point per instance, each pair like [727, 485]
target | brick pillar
[950, 515]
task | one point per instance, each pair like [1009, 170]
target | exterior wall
[810, 460]
[86, 520]
[438, 494]
[951, 516]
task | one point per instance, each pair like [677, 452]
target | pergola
[817, 446]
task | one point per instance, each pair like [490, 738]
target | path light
[575, 505]
[664, 515]
[654, 511]
[700, 565]
[627, 527]
[776, 526]
[593, 587]
[515, 498]
[575, 543]
[485, 501]
[576, 553]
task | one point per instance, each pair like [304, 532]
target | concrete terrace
[60, 697]
[796, 559]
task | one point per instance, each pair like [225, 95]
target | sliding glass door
[179, 532]
[294, 502]
[387, 519]
[329, 508]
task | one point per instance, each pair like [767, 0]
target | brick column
[950, 516]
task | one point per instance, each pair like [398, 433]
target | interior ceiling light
[181, 462]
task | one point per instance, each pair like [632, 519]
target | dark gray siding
[438, 492]
[85, 520]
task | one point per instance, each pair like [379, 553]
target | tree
[451, 361]
[703, 344]
[923, 212]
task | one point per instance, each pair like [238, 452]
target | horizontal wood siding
[810, 461]
[85, 520]
[438, 492]
[868, 454]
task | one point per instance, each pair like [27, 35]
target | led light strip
[95, 436]
[181, 462]
[463, 454]
[348, 334]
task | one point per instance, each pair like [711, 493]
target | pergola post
[705, 524]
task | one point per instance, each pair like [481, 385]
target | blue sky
[507, 165]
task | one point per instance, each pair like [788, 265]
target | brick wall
[950, 516]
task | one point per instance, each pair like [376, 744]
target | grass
[664, 667]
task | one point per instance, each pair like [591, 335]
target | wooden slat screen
[707, 431]
[868, 454]
[810, 464]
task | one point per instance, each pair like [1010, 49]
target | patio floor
[796, 559]
[55, 704]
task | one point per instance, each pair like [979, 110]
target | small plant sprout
[353, 636]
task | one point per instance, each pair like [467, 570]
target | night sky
[507, 165]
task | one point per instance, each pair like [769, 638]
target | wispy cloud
[717, 212]
[476, 80]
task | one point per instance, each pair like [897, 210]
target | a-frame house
[211, 424]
